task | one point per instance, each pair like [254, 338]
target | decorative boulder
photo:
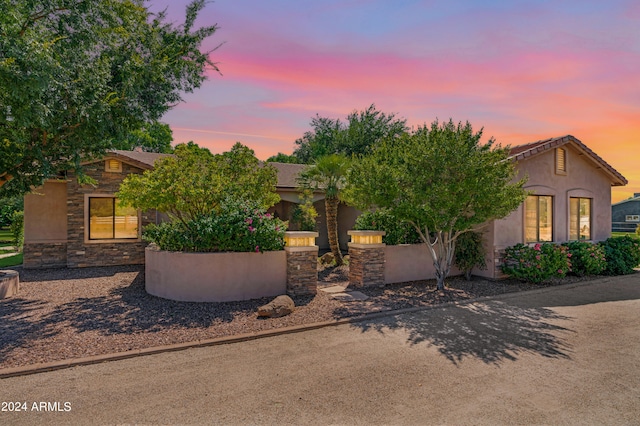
[278, 307]
[327, 258]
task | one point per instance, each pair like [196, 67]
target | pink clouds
[523, 72]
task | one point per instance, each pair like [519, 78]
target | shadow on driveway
[493, 331]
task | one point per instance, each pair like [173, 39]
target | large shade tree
[151, 137]
[78, 76]
[442, 181]
[361, 131]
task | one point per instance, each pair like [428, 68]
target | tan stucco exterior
[583, 178]
[409, 262]
[45, 213]
[215, 277]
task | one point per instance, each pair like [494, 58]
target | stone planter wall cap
[300, 234]
[353, 232]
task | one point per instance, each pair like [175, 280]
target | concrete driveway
[568, 355]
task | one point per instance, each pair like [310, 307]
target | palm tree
[328, 173]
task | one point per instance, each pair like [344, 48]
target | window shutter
[561, 160]
[114, 166]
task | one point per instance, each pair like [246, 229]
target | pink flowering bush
[240, 226]
[537, 263]
[586, 258]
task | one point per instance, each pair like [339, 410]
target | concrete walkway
[568, 355]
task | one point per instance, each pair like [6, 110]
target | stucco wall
[215, 277]
[45, 213]
[409, 262]
[582, 179]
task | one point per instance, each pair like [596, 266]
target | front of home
[570, 198]
[73, 225]
[68, 224]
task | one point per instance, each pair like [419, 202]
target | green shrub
[538, 263]
[622, 255]
[240, 226]
[17, 229]
[8, 206]
[305, 213]
[396, 232]
[586, 258]
[470, 253]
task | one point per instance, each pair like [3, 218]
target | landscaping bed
[71, 313]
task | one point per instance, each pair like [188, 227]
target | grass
[622, 234]
[6, 238]
[11, 261]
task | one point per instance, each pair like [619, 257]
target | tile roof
[144, 159]
[522, 152]
[287, 173]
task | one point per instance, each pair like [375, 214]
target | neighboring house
[625, 215]
[73, 225]
[570, 201]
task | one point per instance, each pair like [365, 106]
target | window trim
[87, 220]
[590, 218]
[553, 224]
[632, 218]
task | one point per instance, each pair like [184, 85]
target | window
[579, 218]
[538, 210]
[109, 220]
[632, 218]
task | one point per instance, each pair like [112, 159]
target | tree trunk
[331, 210]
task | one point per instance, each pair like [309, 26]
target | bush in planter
[239, 226]
[586, 258]
[538, 263]
[622, 254]
[396, 232]
[470, 253]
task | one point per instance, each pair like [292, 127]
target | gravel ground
[71, 313]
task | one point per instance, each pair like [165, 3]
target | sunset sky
[523, 70]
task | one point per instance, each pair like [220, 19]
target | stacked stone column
[302, 262]
[366, 259]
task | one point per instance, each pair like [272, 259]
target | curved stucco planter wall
[215, 277]
[409, 262]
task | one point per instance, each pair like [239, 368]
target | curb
[97, 359]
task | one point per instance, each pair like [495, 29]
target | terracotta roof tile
[142, 158]
[521, 152]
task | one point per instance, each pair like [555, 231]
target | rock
[9, 283]
[278, 307]
[327, 258]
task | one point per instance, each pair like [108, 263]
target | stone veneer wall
[366, 265]
[498, 260]
[302, 270]
[80, 254]
[45, 255]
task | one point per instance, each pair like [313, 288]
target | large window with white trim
[579, 218]
[110, 220]
[538, 210]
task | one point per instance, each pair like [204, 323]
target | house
[625, 215]
[73, 225]
[570, 200]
